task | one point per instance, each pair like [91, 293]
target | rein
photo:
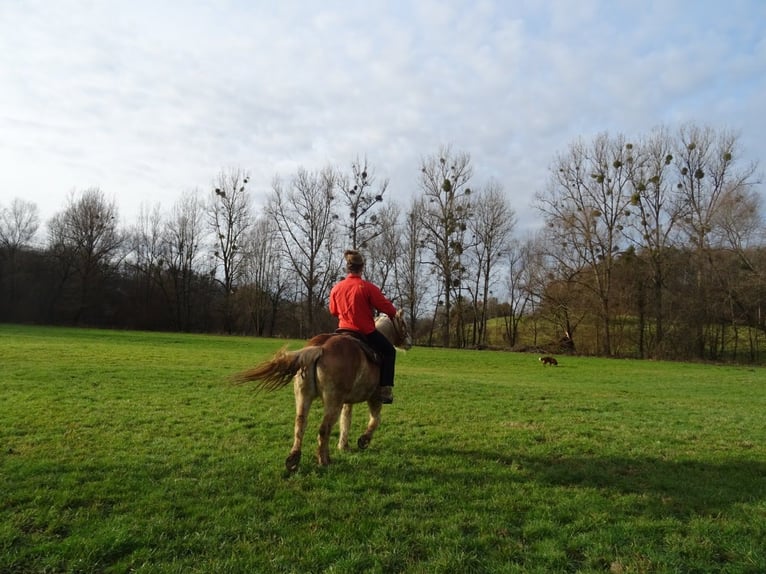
[398, 331]
[395, 330]
[401, 334]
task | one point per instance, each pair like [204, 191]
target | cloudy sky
[147, 99]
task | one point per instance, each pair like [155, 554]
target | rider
[353, 301]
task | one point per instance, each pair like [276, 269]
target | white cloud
[147, 100]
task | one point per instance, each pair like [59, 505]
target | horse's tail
[280, 369]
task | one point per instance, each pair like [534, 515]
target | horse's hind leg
[374, 423]
[331, 414]
[302, 406]
[345, 425]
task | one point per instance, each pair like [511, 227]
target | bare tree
[413, 281]
[146, 240]
[740, 230]
[585, 206]
[491, 225]
[740, 227]
[709, 171]
[382, 251]
[303, 213]
[18, 224]
[182, 240]
[85, 239]
[265, 276]
[229, 216]
[444, 181]
[361, 194]
[144, 264]
[523, 260]
[656, 213]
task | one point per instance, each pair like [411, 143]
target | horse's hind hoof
[292, 461]
[363, 442]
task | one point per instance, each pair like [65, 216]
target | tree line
[650, 247]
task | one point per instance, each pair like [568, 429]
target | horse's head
[395, 329]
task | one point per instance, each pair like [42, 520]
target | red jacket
[354, 300]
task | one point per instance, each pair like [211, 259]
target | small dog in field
[549, 361]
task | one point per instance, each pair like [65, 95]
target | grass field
[130, 452]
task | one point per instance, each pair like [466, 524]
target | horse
[339, 369]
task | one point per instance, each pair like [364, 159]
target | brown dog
[549, 361]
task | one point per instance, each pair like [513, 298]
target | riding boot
[387, 380]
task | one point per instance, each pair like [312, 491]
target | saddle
[371, 353]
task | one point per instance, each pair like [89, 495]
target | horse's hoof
[323, 458]
[292, 461]
[363, 442]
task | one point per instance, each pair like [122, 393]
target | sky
[149, 99]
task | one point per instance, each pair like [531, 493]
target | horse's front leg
[345, 425]
[302, 405]
[331, 414]
[372, 424]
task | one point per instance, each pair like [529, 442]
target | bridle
[400, 330]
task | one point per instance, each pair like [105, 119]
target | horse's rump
[319, 340]
[361, 341]
[346, 369]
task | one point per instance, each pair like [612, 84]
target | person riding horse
[338, 369]
[353, 301]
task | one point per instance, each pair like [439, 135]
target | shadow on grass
[680, 487]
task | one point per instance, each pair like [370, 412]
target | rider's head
[354, 261]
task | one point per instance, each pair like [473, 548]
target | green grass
[130, 452]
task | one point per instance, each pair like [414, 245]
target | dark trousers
[387, 352]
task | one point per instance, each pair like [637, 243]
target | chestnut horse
[337, 368]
